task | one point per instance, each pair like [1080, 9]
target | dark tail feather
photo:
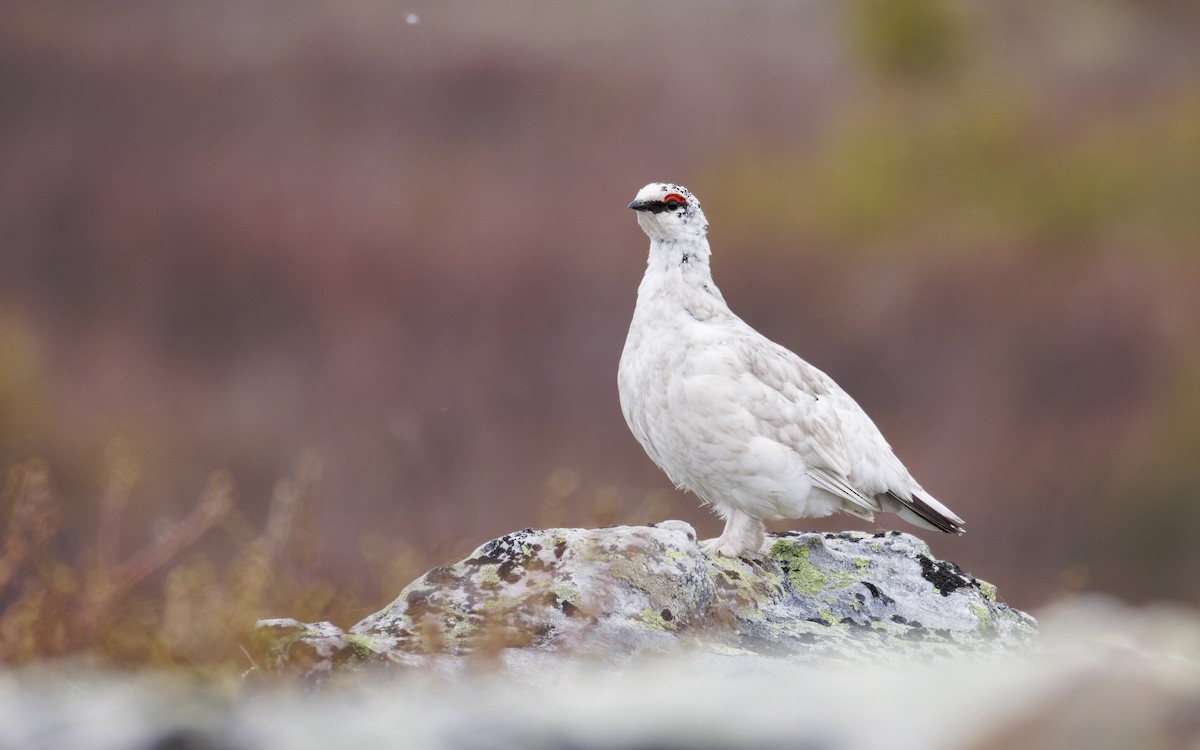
[930, 514]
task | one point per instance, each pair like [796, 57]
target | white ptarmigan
[745, 424]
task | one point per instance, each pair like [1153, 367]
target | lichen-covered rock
[618, 592]
[315, 648]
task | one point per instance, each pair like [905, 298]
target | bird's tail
[922, 509]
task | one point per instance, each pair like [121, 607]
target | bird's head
[669, 212]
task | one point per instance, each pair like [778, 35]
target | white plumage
[742, 422]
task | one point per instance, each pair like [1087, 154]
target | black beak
[654, 207]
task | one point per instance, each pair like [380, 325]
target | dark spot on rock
[666, 615]
[877, 593]
[818, 621]
[733, 575]
[942, 633]
[726, 583]
[755, 562]
[899, 619]
[441, 575]
[509, 572]
[535, 563]
[507, 547]
[807, 637]
[860, 597]
[569, 609]
[536, 548]
[491, 548]
[560, 548]
[496, 550]
[879, 535]
[417, 597]
[946, 577]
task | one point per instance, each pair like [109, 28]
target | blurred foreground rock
[528, 599]
[1100, 676]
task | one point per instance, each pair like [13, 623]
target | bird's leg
[743, 533]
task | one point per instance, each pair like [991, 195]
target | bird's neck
[689, 258]
[678, 278]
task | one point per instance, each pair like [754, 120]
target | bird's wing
[812, 415]
[835, 485]
[846, 454]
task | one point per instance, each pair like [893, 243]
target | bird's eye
[673, 201]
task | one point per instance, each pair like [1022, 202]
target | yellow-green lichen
[985, 617]
[729, 563]
[654, 620]
[752, 612]
[674, 554]
[988, 589]
[643, 574]
[567, 594]
[828, 616]
[863, 564]
[459, 623]
[501, 604]
[889, 627]
[363, 645]
[806, 577]
[489, 573]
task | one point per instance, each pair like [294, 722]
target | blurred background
[299, 299]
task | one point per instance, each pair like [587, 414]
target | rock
[314, 648]
[618, 593]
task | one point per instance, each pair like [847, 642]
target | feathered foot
[743, 534]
